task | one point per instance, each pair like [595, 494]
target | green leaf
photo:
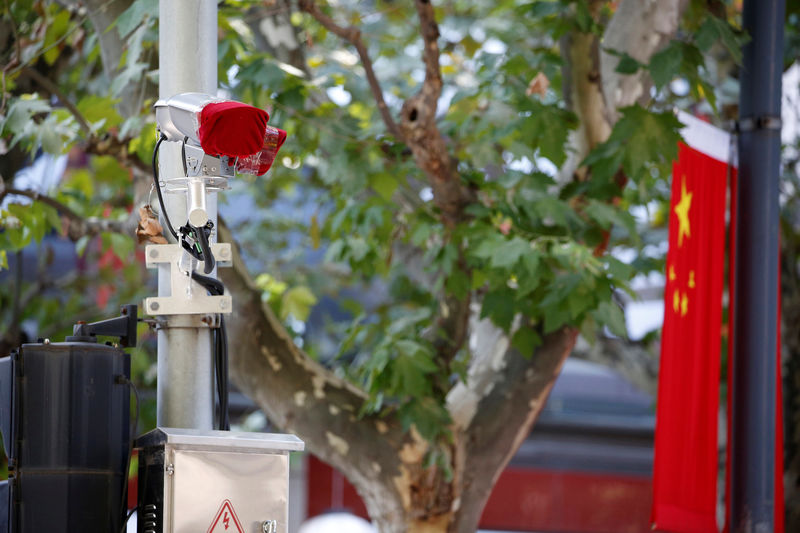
[525, 340]
[508, 253]
[583, 17]
[3, 260]
[706, 35]
[611, 315]
[487, 246]
[267, 283]
[297, 302]
[555, 319]
[547, 127]
[544, 8]
[334, 251]
[132, 17]
[617, 269]
[100, 108]
[498, 305]
[715, 30]
[418, 354]
[123, 245]
[588, 329]
[529, 276]
[665, 64]
[56, 28]
[384, 184]
[429, 417]
[458, 284]
[357, 247]
[21, 111]
[38, 221]
[628, 65]
[408, 378]
[640, 140]
[604, 214]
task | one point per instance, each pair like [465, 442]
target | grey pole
[187, 59]
[756, 269]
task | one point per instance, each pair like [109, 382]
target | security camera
[218, 139]
[235, 133]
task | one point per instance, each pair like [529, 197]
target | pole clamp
[763, 122]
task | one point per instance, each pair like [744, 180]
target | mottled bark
[592, 87]
[503, 418]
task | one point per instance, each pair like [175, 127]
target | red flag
[685, 464]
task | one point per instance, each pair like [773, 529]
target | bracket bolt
[269, 526]
[223, 304]
[224, 253]
[153, 253]
[154, 306]
[170, 469]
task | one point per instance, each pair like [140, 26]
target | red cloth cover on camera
[232, 129]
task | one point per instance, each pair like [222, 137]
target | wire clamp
[762, 122]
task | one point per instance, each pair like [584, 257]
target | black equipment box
[65, 420]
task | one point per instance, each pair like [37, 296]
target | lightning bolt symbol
[225, 520]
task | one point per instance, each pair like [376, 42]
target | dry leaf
[538, 85]
[149, 228]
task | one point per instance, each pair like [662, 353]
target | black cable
[216, 288]
[223, 398]
[127, 518]
[183, 157]
[123, 506]
[158, 188]
[202, 240]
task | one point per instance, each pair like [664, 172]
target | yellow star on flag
[682, 211]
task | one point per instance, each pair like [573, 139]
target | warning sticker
[226, 520]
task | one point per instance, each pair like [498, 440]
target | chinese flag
[686, 460]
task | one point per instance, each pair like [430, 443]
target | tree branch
[512, 395]
[639, 29]
[430, 54]
[53, 89]
[421, 133]
[352, 35]
[592, 87]
[78, 225]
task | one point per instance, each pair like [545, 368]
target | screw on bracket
[269, 526]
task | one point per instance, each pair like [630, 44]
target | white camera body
[177, 117]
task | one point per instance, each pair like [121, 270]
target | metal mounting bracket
[186, 295]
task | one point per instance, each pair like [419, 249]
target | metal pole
[756, 271]
[187, 63]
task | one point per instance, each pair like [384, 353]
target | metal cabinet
[194, 481]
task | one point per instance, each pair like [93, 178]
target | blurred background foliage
[342, 235]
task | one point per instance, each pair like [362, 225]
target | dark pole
[756, 271]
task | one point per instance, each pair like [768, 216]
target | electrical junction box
[193, 481]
